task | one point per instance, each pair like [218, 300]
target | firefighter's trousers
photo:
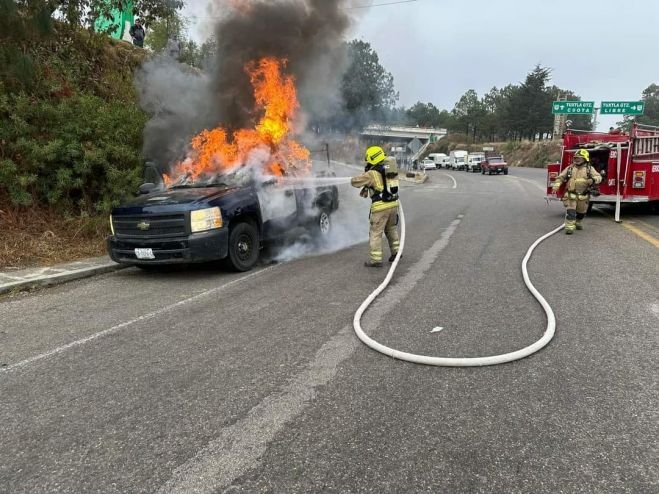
[383, 222]
[576, 206]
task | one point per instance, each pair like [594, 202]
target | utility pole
[595, 112]
[559, 121]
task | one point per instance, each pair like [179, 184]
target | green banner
[119, 24]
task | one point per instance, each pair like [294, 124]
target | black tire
[243, 247]
[490, 172]
[505, 171]
[590, 208]
[483, 172]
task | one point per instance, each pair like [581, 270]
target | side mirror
[147, 188]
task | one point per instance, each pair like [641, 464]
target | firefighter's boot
[392, 258]
[579, 223]
[372, 264]
[570, 221]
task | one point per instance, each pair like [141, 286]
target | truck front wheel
[243, 247]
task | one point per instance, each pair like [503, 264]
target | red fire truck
[628, 162]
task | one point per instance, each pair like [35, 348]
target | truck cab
[227, 217]
[474, 161]
[627, 161]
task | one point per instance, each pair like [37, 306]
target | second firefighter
[578, 177]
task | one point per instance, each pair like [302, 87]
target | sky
[438, 49]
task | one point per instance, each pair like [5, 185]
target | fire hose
[459, 361]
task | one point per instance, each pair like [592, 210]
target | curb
[59, 278]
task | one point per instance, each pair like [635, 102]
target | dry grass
[40, 237]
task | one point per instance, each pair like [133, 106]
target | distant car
[428, 164]
[494, 164]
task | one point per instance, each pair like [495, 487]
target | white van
[438, 158]
[474, 161]
[458, 159]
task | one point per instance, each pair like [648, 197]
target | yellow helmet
[582, 153]
[375, 155]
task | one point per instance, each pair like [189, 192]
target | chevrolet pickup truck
[224, 217]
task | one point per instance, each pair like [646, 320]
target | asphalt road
[199, 380]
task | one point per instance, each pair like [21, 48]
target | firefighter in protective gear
[579, 176]
[380, 182]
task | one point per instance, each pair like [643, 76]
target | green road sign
[622, 107]
[572, 107]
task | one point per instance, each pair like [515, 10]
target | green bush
[70, 126]
[80, 153]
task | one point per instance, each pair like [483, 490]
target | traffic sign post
[572, 107]
[622, 107]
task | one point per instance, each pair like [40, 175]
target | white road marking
[437, 329]
[455, 183]
[238, 448]
[144, 317]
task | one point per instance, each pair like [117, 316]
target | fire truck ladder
[646, 145]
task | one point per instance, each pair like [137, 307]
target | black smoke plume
[309, 34]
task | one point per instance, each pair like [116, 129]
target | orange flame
[218, 151]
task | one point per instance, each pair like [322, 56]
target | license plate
[144, 254]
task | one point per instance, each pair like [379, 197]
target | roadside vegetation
[71, 126]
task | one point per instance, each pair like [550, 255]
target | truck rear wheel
[505, 171]
[243, 247]
[322, 225]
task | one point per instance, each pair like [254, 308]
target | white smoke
[349, 223]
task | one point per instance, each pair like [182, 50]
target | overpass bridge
[408, 143]
[391, 132]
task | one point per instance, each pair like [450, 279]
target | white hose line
[459, 361]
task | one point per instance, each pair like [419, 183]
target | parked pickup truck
[221, 217]
[494, 164]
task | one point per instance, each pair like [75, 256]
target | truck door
[278, 208]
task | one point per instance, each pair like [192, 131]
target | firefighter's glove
[555, 187]
[591, 181]
[364, 192]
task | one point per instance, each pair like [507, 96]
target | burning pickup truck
[226, 217]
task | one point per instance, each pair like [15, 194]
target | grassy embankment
[70, 142]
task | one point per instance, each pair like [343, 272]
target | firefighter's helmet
[582, 153]
[375, 155]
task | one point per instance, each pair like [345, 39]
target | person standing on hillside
[137, 33]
